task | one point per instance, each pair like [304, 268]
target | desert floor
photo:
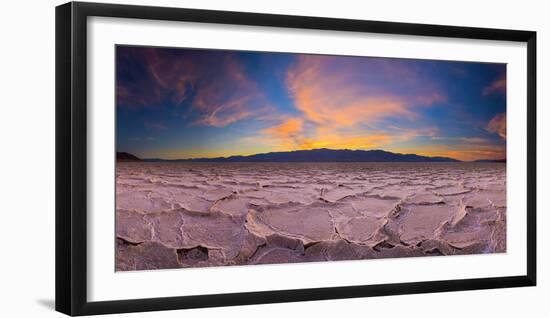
[171, 215]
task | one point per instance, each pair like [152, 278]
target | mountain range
[124, 156]
[491, 160]
[314, 155]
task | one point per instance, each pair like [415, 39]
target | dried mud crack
[176, 215]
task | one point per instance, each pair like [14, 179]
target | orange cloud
[288, 128]
[343, 141]
[334, 98]
[340, 104]
[497, 125]
[287, 135]
[465, 152]
[290, 134]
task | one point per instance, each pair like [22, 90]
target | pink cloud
[498, 86]
[497, 125]
[213, 84]
[329, 98]
[341, 101]
[335, 90]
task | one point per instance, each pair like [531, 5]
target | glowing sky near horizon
[191, 103]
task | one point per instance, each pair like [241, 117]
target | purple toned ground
[171, 215]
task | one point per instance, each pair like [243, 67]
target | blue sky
[189, 103]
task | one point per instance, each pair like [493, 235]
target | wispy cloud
[343, 104]
[141, 139]
[409, 133]
[497, 86]
[246, 102]
[331, 92]
[213, 85]
[151, 125]
[289, 128]
[497, 125]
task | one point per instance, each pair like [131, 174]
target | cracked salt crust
[171, 215]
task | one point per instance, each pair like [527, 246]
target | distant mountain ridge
[125, 156]
[491, 160]
[320, 155]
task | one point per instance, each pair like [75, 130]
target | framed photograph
[209, 158]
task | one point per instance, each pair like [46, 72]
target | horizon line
[297, 150]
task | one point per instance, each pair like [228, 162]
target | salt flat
[171, 215]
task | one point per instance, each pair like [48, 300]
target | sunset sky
[192, 103]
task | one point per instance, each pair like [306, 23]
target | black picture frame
[71, 154]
